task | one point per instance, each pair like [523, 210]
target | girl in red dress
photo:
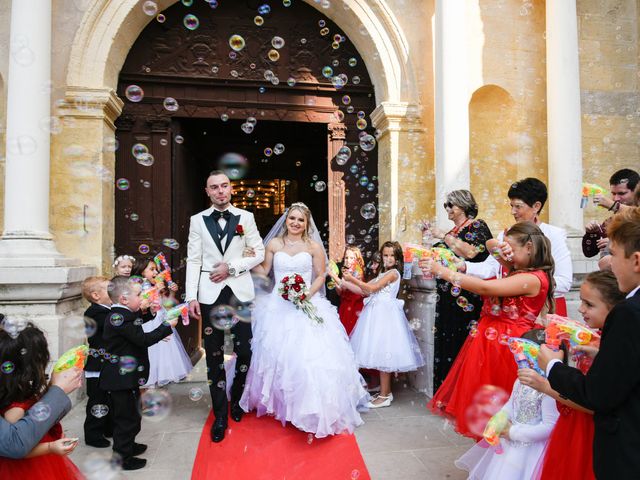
[350, 302]
[22, 382]
[569, 453]
[511, 306]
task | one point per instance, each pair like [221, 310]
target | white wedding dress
[302, 371]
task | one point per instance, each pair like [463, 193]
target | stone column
[564, 133]
[451, 102]
[26, 239]
[36, 281]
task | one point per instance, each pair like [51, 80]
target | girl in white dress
[168, 360]
[532, 416]
[382, 339]
[302, 370]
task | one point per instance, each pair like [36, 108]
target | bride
[302, 370]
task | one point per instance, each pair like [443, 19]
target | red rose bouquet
[294, 289]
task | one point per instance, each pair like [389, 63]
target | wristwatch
[232, 271]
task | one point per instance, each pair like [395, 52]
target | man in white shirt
[527, 198]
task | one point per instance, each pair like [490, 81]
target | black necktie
[217, 215]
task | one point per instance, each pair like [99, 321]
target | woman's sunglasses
[447, 205]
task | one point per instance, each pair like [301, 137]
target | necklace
[292, 243]
[455, 230]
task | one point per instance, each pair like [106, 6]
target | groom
[218, 274]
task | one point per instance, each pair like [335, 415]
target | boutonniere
[239, 230]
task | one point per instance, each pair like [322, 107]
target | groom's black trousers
[214, 345]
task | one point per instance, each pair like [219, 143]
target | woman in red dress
[350, 302]
[22, 382]
[569, 453]
[511, 306]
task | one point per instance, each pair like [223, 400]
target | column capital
[397, 117]
[98, 103]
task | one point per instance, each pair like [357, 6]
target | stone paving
[403, 441]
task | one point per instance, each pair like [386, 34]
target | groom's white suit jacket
[203, 252]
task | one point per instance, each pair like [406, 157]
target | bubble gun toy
[444, 256]
[181, 310]
[333, 268]
[495, 426]
[562, 328]
[589, 190]
[164, 269]
[525, 353]
[151, 294]
[75, 357]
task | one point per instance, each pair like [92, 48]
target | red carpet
[262, 449]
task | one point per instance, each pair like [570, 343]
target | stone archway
[101, 44]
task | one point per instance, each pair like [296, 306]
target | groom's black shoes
[236, 412]
[217, 429]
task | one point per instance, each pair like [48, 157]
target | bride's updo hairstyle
[301, 207]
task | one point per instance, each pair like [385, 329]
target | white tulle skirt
[301, 371]
[517, 462]
[168, 360]
[382, 338]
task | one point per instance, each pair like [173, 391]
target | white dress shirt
[563, 274]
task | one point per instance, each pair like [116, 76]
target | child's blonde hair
[91, 285]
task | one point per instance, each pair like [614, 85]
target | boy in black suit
[127, 367]
[97, 423]
[611, 388]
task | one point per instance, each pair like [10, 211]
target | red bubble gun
[181, 310]
[163, 268]
[589, 190]
[495, 426]
[525, 353]
[562, 328]
[75, 357]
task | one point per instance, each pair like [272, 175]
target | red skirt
[484, 359]
[350, 308]
[44, 467]
[569, 452]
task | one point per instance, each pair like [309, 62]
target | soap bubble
[13, 326]
[139, 149]
[368, 211]
[343, 155]
[355, 80]
[122, 184]
[116, 319]
[320, 186]
[7, 367]
[327, 72]
[143, 248]
[247, 128]
[491, 333]
[223, 317]
[99, 410]
[155, 405]
[40, 412]
[268, 152]
[99, 467]
[128, 364]
[363, 181]
[190, 21]
[277, 42]
[286, 3]
[150, 8]
[134, 93]
[179, 139]
[367, 143]
[161, 18]
[338, 82]
[462, 302]
[487, 401]
[264, 9]
[250, 193]
[353, 62]
[291, 82]
[324, 32]
[353, 168]
[170, 104]
[361, 124]
[278, 149]
[273, 55]
[351, 239]
[346, 99]
[195, 394]
[224, 117]
[146, 159]
[234, 165]
[172, 243]
[236, 42]
[90, 327]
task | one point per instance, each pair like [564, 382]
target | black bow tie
[217, 214]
